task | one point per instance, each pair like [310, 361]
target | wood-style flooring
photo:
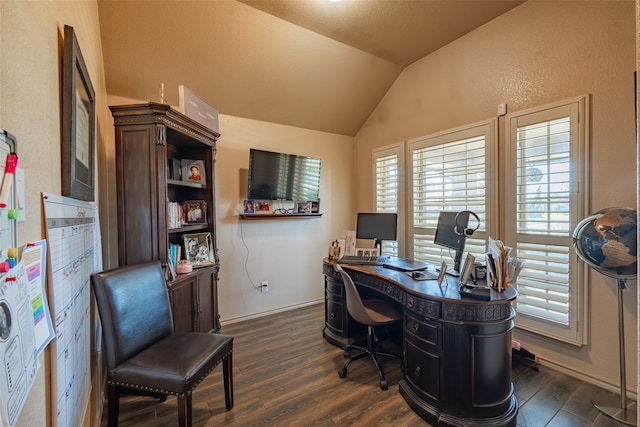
[285, 374]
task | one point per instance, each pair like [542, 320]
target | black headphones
[466, 230]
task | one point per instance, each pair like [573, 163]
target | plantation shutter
[545, 209]
[449, 173]
[387, 189]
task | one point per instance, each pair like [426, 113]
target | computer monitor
[448, 235]
[377, 225]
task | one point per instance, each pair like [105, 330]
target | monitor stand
[455, 270]
[452, 272]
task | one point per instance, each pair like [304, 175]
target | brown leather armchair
[142, 351]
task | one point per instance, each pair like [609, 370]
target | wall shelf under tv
[280, 216]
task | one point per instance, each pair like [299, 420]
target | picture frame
[176, 169]
[336, 249]
[303, 207]
[78, 123]
[441, 274]
[193, 171]
[195, 212]
[249, 206]
[467, 269]
[198, 249]
[367, 252]
[170, 271]
[262, 207]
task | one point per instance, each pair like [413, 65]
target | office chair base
[342, 372]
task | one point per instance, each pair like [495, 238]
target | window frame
[577, 108]
[489, 219]
[396, 149]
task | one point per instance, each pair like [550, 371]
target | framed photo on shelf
[303, 207]
[249, 206]
[195, 211]
[78, 123]
[198, 249]
[193, 171]
[262, 207]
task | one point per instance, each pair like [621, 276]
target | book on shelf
[175, 215]
[175, 253]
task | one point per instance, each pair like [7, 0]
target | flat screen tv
[281, 176]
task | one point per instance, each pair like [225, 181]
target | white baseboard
[237, 319]
[581, 375]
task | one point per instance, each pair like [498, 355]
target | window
[387, 170]
[545, 199]
[451, 171]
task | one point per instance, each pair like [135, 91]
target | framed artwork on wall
[78, 123]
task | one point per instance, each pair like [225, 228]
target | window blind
[387, 181]
[546, 154]
[543, 194]
[447, 174]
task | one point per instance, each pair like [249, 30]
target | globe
[606, 241]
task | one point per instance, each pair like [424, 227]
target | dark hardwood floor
[285, 374]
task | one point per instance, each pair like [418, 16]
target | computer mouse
[417, 274]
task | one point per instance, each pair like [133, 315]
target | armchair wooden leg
[227, 374]
[113, 405]
[184, 411]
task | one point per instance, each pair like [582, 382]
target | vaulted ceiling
[315, 64]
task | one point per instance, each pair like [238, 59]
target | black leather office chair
[143, 352]
[371, 312]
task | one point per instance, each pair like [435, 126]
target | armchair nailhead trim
[158, 390]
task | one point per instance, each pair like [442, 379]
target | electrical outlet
[264, 286]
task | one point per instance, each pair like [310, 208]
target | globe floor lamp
[607, 241]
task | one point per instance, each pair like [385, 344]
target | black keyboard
[363, 260]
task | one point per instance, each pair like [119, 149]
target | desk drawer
[335, 289]
[423, 371]
[424, 330]
[335, 315]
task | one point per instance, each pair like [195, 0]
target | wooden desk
[456, 351]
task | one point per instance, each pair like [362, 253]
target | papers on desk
[502, 269]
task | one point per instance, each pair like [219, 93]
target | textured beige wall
[540, 52]
[31, 39]
[287, 253]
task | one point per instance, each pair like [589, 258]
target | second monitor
[378, 226]
[449, 236]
